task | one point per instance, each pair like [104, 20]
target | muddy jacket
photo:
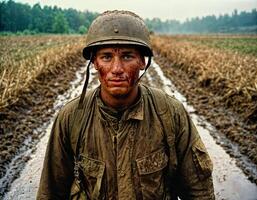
[151, 150]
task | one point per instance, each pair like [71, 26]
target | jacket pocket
[76, 192]
[202, 160]
[151, 174]
[93, 171]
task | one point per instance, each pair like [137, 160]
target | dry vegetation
[34, 71]
[219, 80]
[25, 58]
[228, 74]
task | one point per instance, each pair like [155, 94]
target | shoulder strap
[161, 106]
[159, 99]
[160, 102]
[81, 115]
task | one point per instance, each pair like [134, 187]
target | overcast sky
[164, 9]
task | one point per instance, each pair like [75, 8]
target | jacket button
[122, 173]
[116, 127]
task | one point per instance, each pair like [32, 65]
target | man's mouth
[117, 81]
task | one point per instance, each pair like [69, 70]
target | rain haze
[166, 9]
[204, 55]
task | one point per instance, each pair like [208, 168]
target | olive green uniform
[151, 150]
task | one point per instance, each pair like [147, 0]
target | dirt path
[234, 134]
[229, 181]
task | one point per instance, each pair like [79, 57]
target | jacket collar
[135, 111]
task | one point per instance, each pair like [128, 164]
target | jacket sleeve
[192, 165]
[57, 173]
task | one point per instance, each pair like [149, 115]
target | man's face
[118, 69]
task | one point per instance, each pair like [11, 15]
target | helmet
[118, 27]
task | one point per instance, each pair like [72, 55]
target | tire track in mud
[26, 185]
[34, 115]
[233, 134]
[229, 181]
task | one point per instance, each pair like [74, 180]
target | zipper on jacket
[115, 146]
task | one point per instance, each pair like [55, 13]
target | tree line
[18, 17]
[243, 22]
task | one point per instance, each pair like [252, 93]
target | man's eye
[127, 57]
[106, 58]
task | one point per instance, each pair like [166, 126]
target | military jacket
[151, 150]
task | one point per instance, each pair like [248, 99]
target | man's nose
[117, 66]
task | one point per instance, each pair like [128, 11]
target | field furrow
[221, 82]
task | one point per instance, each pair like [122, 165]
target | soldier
[124, 140]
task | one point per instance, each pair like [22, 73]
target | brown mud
[232, 134]
[19, 122]
[229, 181]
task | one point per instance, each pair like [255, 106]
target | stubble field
[218, 75]
[34, 71]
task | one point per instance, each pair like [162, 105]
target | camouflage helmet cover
[118, 27]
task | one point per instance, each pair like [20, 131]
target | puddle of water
[26, 186]
[230, 182]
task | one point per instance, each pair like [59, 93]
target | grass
[220, 64]
[241, 44]
[24, 58]
[15, 49]
[247, 45]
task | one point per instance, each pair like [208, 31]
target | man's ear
[95, 63]
[142, 66]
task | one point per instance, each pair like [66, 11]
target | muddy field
[19, 121]
[26, 100]
[220, 84]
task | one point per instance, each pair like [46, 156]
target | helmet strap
[87, 79]
[146, 67]
[85, 84]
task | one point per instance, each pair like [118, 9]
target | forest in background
[25, 19]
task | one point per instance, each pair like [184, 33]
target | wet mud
[41, 103]
[21, 123]
[229, 181]
[230, 132]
